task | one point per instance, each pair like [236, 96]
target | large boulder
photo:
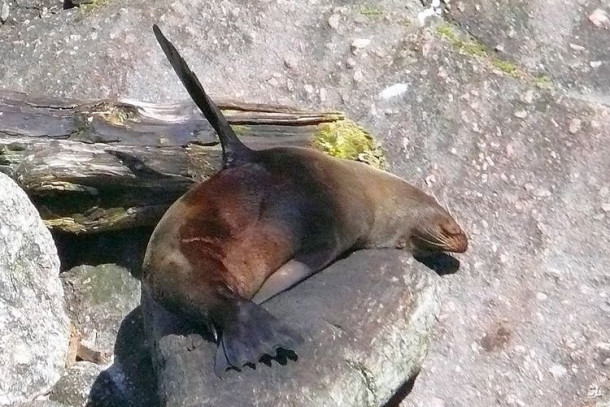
[366, 322]
[34, 328]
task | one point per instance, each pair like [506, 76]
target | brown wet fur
[240, 226]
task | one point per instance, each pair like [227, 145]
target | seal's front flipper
[296, 270]
[285, 277]
[249, 332]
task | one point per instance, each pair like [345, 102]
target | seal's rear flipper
[249, 334]
[234, 151]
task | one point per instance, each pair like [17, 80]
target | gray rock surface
[102, 302]
[74, 386]
[556, 38]
[499, 143]
[39, 403]
[98, 299]
[366, 321]
[33, 324]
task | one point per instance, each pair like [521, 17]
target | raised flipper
[234, 151]
[247, 333]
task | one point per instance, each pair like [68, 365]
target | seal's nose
[456, 236]
[452, 228]
[459, 243]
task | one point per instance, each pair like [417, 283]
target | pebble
[595, 64]
[322, 95]
[541, 296]
[521, 114]
[4, 12]
[577, 47]
[558, 371]
[393, 91]
[603, 347]
[528, 97]
[333, 21]
[606, 207]
[290, 85]
[542, 193]
[575, 126]
[358, 75]
[360, 43]
[308, 88]
[290, 62]
[599, 18]
[350, 63]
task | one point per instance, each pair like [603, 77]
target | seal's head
[437, 231]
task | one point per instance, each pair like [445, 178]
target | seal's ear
[234, 151]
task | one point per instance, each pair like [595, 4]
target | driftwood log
[108, 165]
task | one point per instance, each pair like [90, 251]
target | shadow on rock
[402, 392]
[130, 381]
[125, 248]
[441, 263]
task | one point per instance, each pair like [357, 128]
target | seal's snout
[455, 238]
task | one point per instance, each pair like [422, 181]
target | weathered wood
[106, 165]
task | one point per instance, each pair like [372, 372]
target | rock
[103, 305]
[358, 75]
[398, 89]
[4, 12]
[521, 114]
[40, 403]
[360, 43]
[575, 126]
[350, 63]
[130, 381]
[291, 62]
[558, 371]
[308, 88]
[600, 18]
[366, 321]
[333, 21]
[98, 299]
[75, 385]
[34, 328]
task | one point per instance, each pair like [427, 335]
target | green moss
[464, 45]
[543, 81]
[345, 139]
[507, 67]
[93, 5]
[120, 114]
[240, 129]
[370, 11]
[447, 31]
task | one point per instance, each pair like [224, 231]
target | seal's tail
[234, 150]
[248, 333]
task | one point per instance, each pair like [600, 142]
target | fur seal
[269, 219]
